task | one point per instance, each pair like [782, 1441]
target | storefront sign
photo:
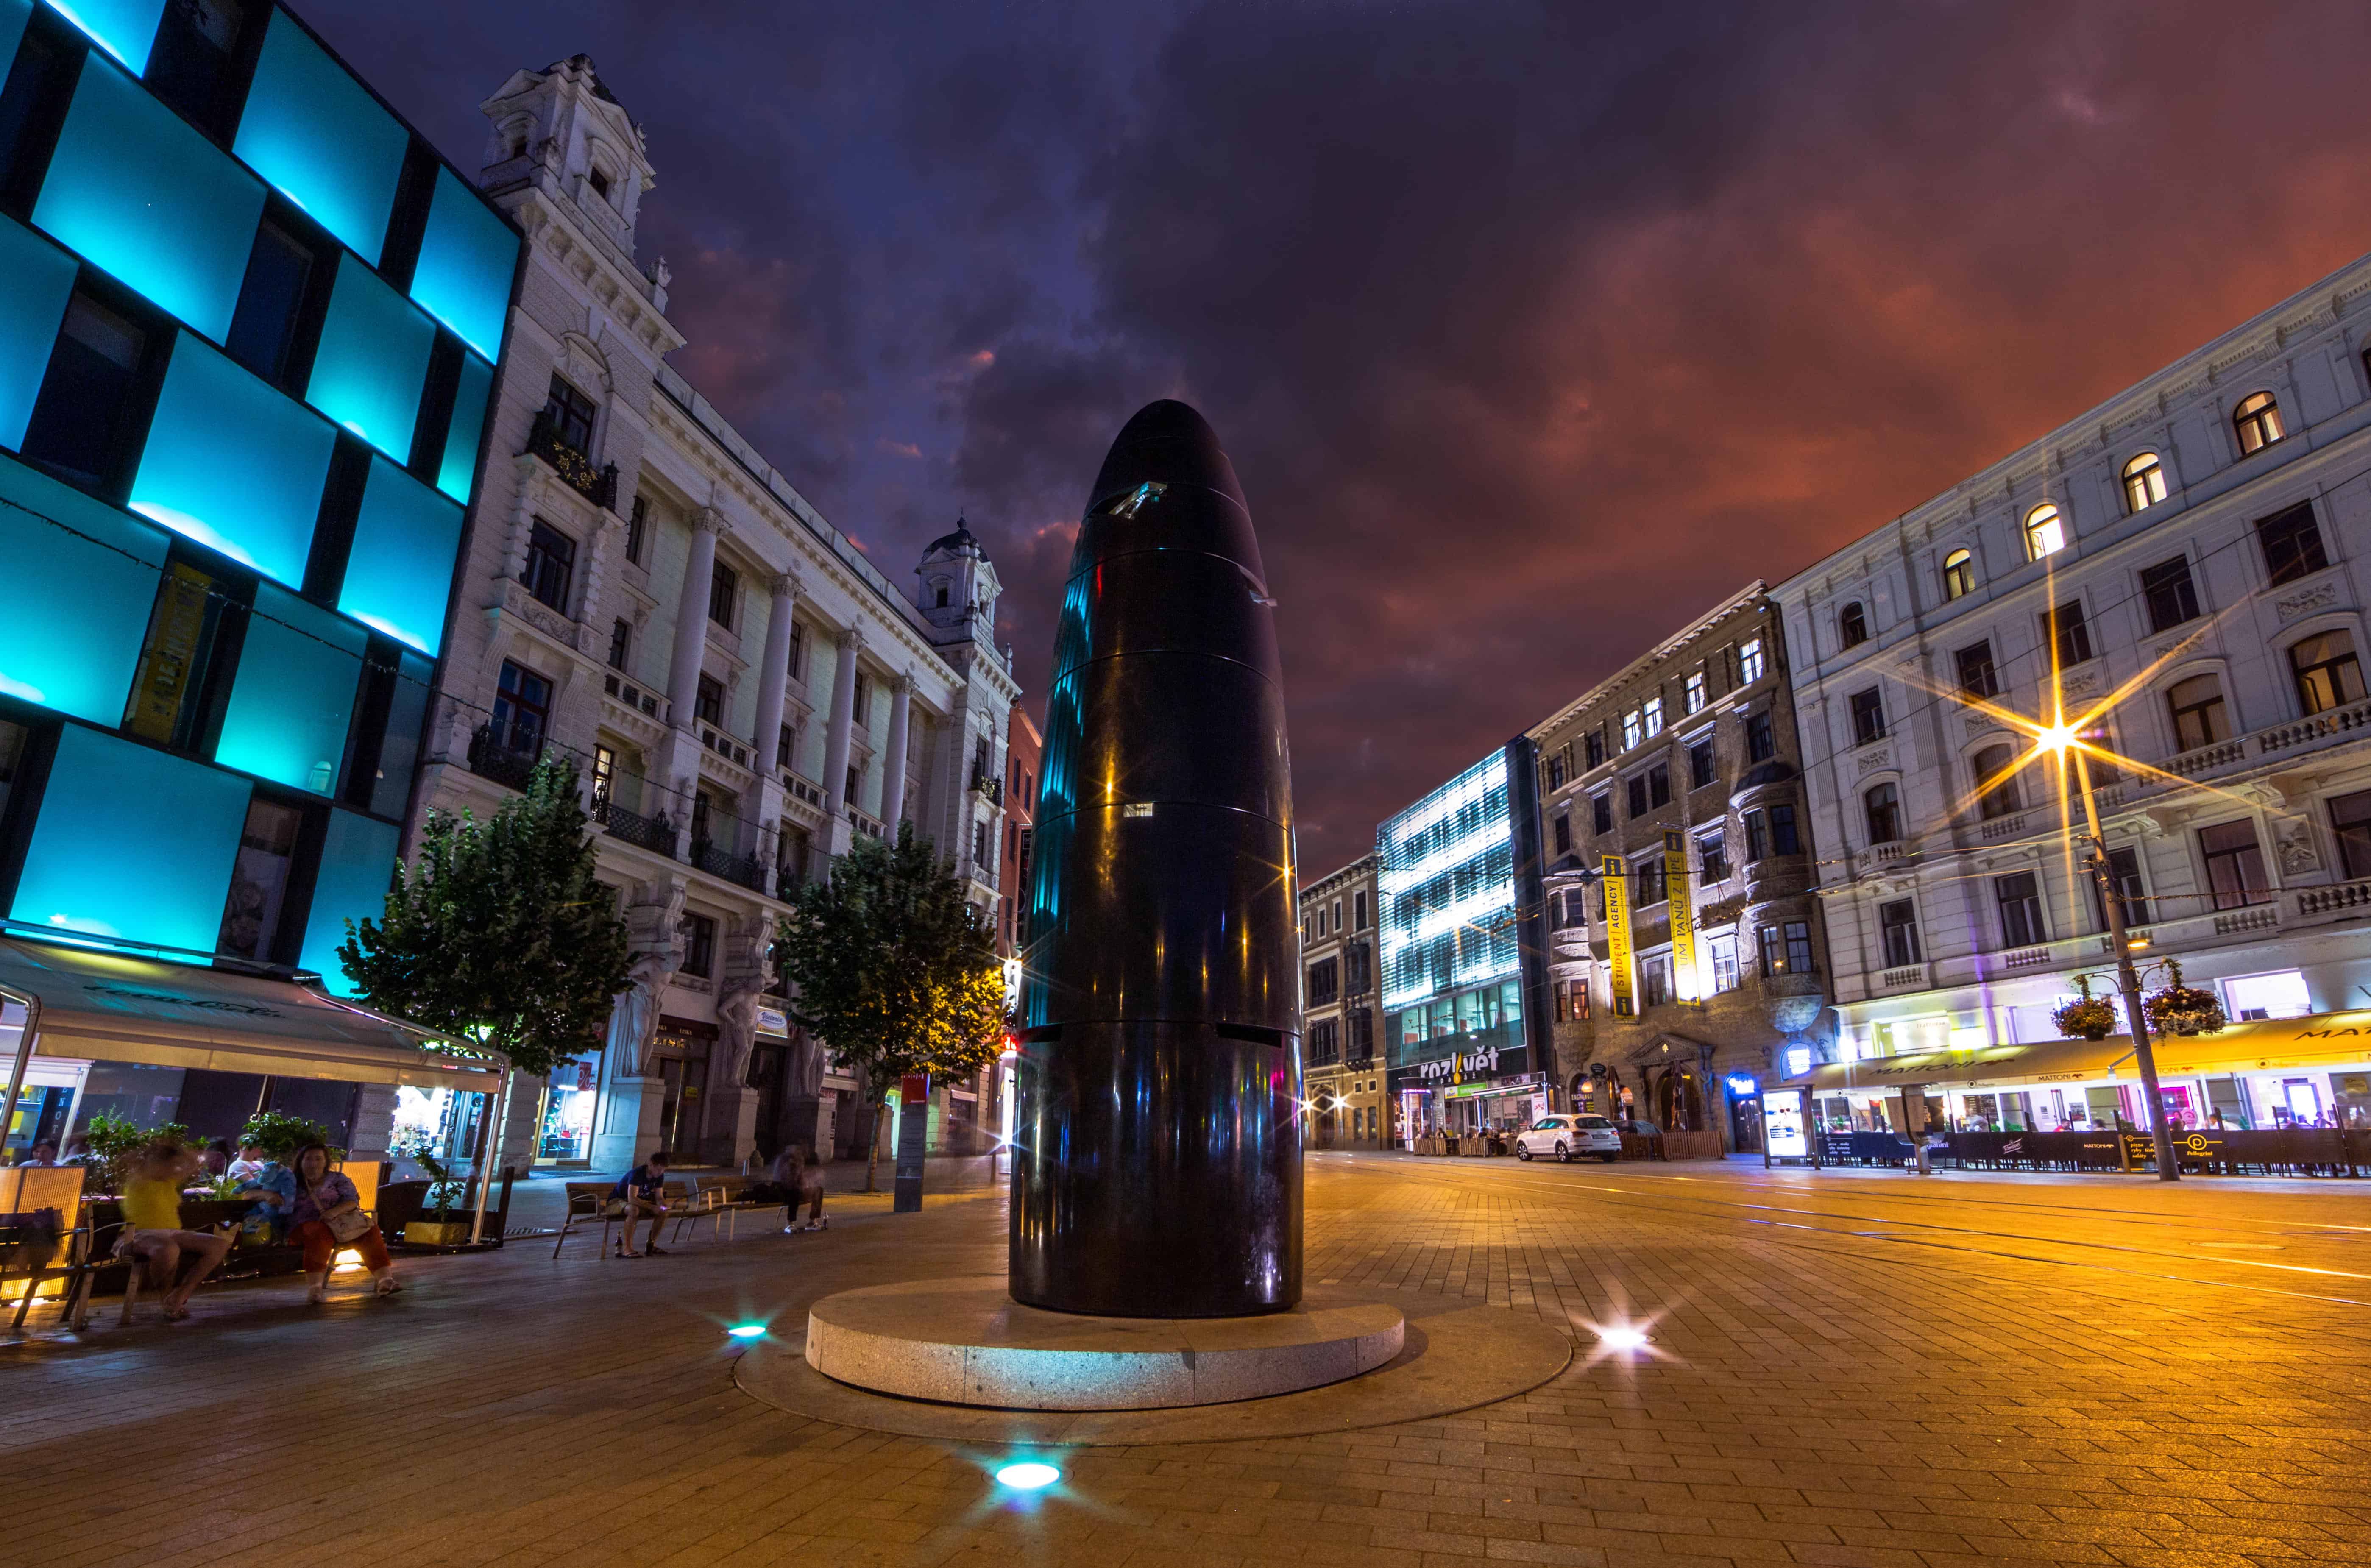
[1616, 883]
[1741, 1087]
[1687, 984]
[1782, 1126]
[1465, 1064]
[774, 1021]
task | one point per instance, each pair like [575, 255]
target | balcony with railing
[506, 754]
[649, 704]
[746, 870]
[988, 787]
[655, 833]
[598, 486]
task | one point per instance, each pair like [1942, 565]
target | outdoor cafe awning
[2320, 1040]
[110, 1007]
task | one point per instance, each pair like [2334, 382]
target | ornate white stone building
[2197, 543]
[741, 689]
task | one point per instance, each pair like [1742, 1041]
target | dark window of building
[798, 651]
[1659, 785]
[1882, 805]
[1852, 624]
[1712, 855]
[638, 529]
[571, 416]
[724, 595]
[190, 64]
[1592, 745]
[1638, 795]
[551, 565]
[1701, 772]
[1867, 716]
[1761, 740]
[1757, 838]
[979, 829]
[263, 328]
[1359, 968]
[522, 709]
[2166, 589]
[1359, 910]
[1601, 813]
[2292, 544]
[1362, 1035]
[698, 945]
[2020, 897]
[2235, 865]
[1977, 675]
[2069, 633]
[1998, 795]
[2199, 719]
[257, 907]
[81, 421]
[2258, 421]
[1657, 975]
[786, 745]
[1800, 960]
[1555, 772]
[599, 181]
[2327, 673]
[1784, 839]
[708, 706]
[2349, 817]
[1897, 925]
[2124, 866]
[621, 643]
[1649, 877]
[1562, 829]
[1325, 982]
[860, 709]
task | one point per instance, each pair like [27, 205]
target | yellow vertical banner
[1687, 984]
[1616, 883]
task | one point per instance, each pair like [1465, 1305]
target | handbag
[350, 1226]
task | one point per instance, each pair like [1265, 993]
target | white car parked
[1569, 1137]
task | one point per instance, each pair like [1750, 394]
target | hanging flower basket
[2183, 1010]
[2087, 1018]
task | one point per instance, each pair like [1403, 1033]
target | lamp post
[2128, 979]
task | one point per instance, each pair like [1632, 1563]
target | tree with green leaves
[893, 970]
[501, 933]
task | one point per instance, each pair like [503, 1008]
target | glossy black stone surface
[1157, 1171]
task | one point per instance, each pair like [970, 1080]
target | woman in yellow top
[152, 1214]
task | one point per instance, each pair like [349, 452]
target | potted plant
[280, 1135]
[2086, 1017]
[444, 1189]
[2183, 1010]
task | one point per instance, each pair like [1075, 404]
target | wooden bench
[722, 1196]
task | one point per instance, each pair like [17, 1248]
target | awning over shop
[2320, 1040]
[108, 1007]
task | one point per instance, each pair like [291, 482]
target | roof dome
[962, 540]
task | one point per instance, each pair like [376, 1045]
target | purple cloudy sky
[1532, 329]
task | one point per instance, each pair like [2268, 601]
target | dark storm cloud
[1533, 331]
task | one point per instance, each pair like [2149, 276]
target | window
[1867, 716]
[1553, 773]
[638, 529]
[1692, 693]
[1593, 746]
[1773, 948]
[1659, 785]
[786, 745]
[1749, 661]
[708, 705]
[258, 884]
[81, 419]
[570, 414]
[1852, 624]
[2144, 482]
[724, 595]
[1562, 830]
[1800, 960]
[1723, 950]
[699, 934]
[2020, 897]
[1881, 804]
[2045, 533]
[522, 707]
[1760, 741]
[2258, 421]
[1757, 838]
[2350, 818]
[1998, 795]
[1657, 975]
[604, 774]
[2124, 867]
[2327, 673]
[1571, 1001]
[1637, 796]
[621, 643]
[272, 298]
[1700, 764]
[1359, 968]
[1977, 675]
[2292, 544]
[2235, 865]
[2171, 597]
[2198, 716]
[1362, 1035]
[599, 181]
[1650, 880]
[859, 712]
[551, 565]
[1359, 910]
[1784, 839]
[1712, 855]
[979, 829]
[1897, 926]
[1632, 732]
[1325, 982]
[1959, 574]
[798, 651]
[1601, 813]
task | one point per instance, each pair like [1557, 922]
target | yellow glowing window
[2045, 533]
[2144, 482]
[2258, 421]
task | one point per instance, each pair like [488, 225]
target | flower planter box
[430, 1233]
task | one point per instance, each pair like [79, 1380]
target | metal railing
[745, 870]
[598, 486]
[508, 758]
[655, 833]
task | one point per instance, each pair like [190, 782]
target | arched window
[2199, 717]
[2328, 675]
[2045, 533]
[1959, 574]
[1996, 782]
[2258, 421]
[1852, 624]
[2144, 482]
[1883, 804]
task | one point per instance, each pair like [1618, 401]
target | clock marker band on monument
[1158, 1166]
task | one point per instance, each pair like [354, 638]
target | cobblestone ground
[1852, 1368]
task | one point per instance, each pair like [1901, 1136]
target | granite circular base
[964, 1341]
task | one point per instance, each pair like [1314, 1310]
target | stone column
[843, 716]
[893, 776]
[774, 673]
[691, 619]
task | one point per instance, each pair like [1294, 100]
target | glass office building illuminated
[1458, 946]
[248, 324]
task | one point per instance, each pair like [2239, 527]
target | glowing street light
[1027, 1476]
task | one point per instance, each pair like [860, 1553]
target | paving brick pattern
[1845, 1368]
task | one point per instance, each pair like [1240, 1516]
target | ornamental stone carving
[1870, 761]
[2296, 850]
[2307, 600]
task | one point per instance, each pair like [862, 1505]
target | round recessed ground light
[1622, 1339]
[1027, 1476]
[747, 1330]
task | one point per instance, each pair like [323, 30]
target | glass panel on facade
[73, 646]
[469, 427]
[125, 29]
[233, 464]
[401, 566]
[14, 15]
[373, 360]
[293, 698]
[318, 136]
[105, 859]
[138, 193]
[357, 857]
[36, 280]
[466, 262]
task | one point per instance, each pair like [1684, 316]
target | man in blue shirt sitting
[643, 1191]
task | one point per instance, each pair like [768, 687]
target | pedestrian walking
[811, 1188]
[786, 1183]
[328, 1217]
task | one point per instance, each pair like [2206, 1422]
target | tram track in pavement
[1945, 1239]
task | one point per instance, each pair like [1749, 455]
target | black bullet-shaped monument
[1157, 1171]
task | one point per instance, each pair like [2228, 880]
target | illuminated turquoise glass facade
[247, 328]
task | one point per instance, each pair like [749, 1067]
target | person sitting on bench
[643, 1192]
[152, 1218]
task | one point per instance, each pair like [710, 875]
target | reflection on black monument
[1158, 1166]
